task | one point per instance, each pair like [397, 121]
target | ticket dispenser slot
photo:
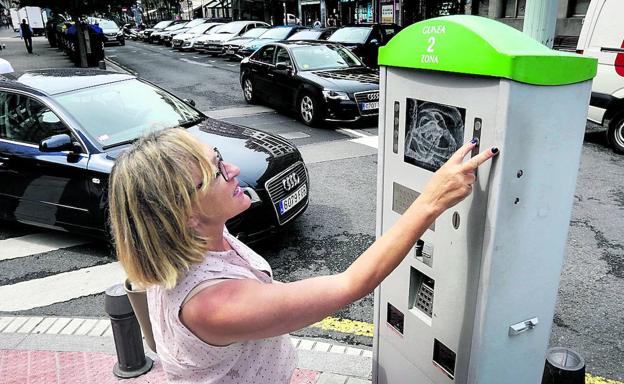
[456, 316]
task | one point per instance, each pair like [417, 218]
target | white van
[602, 37]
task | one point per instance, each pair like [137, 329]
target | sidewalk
[63, 350]
[43, 55]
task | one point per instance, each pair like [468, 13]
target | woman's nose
[232, 169]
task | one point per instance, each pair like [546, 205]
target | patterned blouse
[187, 359]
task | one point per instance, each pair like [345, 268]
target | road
[338, 225]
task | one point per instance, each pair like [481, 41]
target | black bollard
[563, 366]
[131, 359]
[102, 64]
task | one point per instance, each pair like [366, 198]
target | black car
[365, 39]
[61, 131]
[278, 33]
[319, 80]
[313, 34]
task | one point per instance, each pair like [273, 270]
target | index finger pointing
[481, 158]
[464, 150]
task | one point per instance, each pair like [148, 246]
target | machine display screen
[433, 132]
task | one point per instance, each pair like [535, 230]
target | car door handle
[270, 74]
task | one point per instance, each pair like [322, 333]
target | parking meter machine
[473, 301]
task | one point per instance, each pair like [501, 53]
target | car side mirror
[283, 67]
[59, 143]
[189, 102]
[374, 42]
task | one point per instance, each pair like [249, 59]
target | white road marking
[38, 243]
[196, 57]
[351, 132]
[294, 135]
[371, 141]
[60, 287]
[197, 63]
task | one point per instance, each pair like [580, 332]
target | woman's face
[222, 199]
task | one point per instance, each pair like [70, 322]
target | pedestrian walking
[26, 33]
[216, 313]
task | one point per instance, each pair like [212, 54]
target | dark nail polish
[474, 141]
[494, 150]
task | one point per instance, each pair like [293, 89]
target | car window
[351, 35]
[117, 112]
[388, 32]
[282, 56]
[27, 120]
[266, 54]
[315, 57]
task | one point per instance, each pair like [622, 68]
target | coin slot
[456, 220]
[476, 134]
[424, 252]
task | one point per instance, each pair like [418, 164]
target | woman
[216, 313]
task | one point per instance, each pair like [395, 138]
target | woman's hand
[453, 181]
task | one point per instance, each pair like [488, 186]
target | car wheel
[248, 90]
[308, 109]
[615, 134]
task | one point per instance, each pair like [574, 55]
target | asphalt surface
[340, 220]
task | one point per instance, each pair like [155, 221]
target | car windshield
[107, 24]
[305, 35]
[195, 23]
[315, 57]
[120, 112]
[198, 30]
[231, 28]
[176, 27]
[162, 24]
[351, 35]
[279, 33]
[256, 32]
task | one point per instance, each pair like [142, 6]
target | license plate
[369, 106]
[213, 47]
[292, 200]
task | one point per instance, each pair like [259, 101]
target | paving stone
[354, 351]
[306, 344]
[355, 380]
[331, 378]
[337, 349]
[321, 347]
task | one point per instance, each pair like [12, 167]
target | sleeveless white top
[187, 359]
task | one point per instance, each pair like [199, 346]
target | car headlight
[335, 95]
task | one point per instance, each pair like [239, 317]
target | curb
[116, 67]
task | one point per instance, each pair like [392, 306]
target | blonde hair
[152, 195]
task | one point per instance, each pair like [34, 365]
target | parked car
[62, 130]
[186, 41]
[157, 37]
[313, 34]
[146, 33]
[112, 33]
[213, 43]
[365, 39]
[167, 37]
[232, 46]
[319, 80]
[282, 32]
[602, 37]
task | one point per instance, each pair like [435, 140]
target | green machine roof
[481, 46]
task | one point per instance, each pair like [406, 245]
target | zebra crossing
[70, 280]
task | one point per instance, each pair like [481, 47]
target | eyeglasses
[221, 170]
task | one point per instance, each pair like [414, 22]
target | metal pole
[540, 19]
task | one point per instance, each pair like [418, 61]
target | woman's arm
[239, 310]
